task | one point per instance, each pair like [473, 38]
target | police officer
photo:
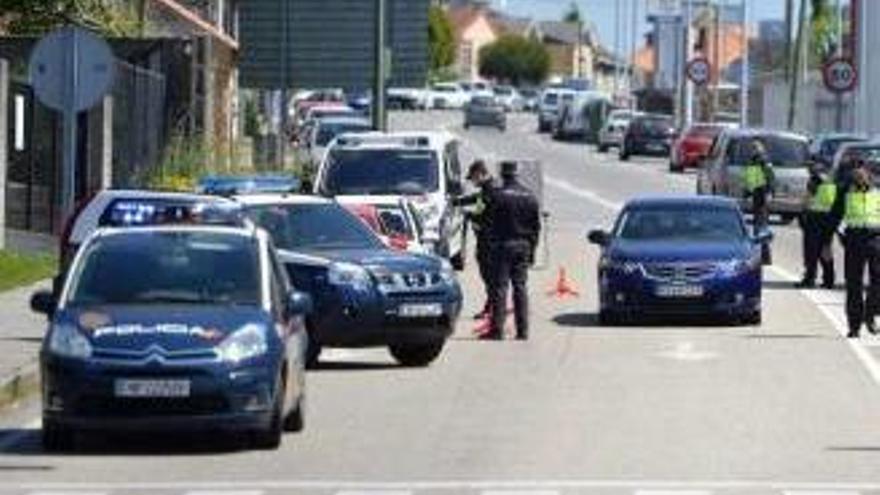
[758, 184]
[859, 209]
[818, 228]
[478, 175]
[514, 221]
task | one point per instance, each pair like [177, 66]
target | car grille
[409, 281]
[154, 353]
[679, 272]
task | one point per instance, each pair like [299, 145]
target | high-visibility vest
[862, 210]
[754, 177]
[823, 199]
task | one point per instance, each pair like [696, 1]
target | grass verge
[20, 269]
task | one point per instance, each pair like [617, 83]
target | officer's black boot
[805, 283]
[871, 326]
[853, 331]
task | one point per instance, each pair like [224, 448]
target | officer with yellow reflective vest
[758, 185]
[818, 228]
[479, 176]
[858, 207]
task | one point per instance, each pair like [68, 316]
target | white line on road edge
[859, 349]
[673, 492]
[823, 492]
[224, 492]
[519, 492]
[457, 485]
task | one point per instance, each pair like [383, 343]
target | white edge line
[859, 349]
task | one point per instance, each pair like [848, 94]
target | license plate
[420, 310]
[679, 291]
[152, 388]
[656, 147]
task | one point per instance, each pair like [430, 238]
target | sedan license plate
[420, 310]
[152, 388]
[656, 147]
[679, 291]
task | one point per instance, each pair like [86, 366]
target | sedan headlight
[245, 343]
[447, 273]
[350, 275]
[737, 266]
[67, 341]
[627, 267]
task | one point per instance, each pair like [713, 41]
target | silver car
[612, 131]
[788, 153]
[484, 110]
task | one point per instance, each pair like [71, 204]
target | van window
[453, 163]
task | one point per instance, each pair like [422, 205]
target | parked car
[572, 120]
[393, 218]
[693, 145]
[679, 256]
[408, 98]
[531, 99]
[365, 293]
[509, 98]
[448, 95]
[485, 110]
[868, 151]
[422, 166]
[149, 335]
[612, 131]
[823, 147]
[325, 131]
[551, 101]
[788, 154]
[649, 134]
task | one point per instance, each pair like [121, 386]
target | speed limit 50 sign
[840, 75]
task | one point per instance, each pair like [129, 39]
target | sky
[601, 12]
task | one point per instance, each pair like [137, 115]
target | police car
[423, 166]
[365, 293]
[173, 327]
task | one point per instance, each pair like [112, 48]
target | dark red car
[693, 145]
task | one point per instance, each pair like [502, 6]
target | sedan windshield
[380, 171]
[313, 226]
[681, 224]
[169, 268]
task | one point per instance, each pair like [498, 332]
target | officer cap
[478, 167]
[509, 169]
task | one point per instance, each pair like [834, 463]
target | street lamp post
[380, 121]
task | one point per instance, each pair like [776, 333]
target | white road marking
[837, 318]
[225, 492]
[823, 492]
[68, 493]
[458, 485]
[374, 492]
[673, 492]
[520, 492]
[686, 351]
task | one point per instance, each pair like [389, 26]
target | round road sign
[63, 87]
[840, 75]
[699, 70]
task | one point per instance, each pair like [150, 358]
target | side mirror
[44, 302]
[599, 237]
[763, 237]
[299, 304]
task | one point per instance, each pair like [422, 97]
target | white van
[572, 119]
[552, 100]
[423, 166]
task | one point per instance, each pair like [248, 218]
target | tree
[573, 14]
[37, 17]
[441, 39]
[823, 29]
[515, 59]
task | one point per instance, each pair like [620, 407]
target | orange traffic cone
[562, 288]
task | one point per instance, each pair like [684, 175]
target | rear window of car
[782, 151]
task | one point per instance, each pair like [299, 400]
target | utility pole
[744, 83]
[634, 52]
[716, 62]
[380, 117]
[789, 19]
[688, 84]
[617, 50]
[798, 60]
[838, 96]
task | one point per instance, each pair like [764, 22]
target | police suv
[366, 294]
[423, 166]
[163, 326]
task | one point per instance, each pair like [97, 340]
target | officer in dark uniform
[758, 185]
[479, 176]
[818, 228]
[514, 220]
[858, 207]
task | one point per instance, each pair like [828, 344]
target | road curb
[23, 383]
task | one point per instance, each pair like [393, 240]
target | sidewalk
[21, 330]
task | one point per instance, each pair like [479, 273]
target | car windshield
[329, 130]
[482, 101]
[686, 223]
[654, 124]
[782, 151]
[313, 227]
[551, 99]
[170, 268]
[381, 171]
[502, 91]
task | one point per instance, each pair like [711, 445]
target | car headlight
[245, 343]
[348, 274]
[447, 273]
[737, 266]
[67, 341]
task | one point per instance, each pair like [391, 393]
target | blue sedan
[679, 257]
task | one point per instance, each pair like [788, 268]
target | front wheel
[57, 438]
[295, 420]
[603, 148]
[457, 262]
[416, 355]
[753, 319]
[624, 155]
